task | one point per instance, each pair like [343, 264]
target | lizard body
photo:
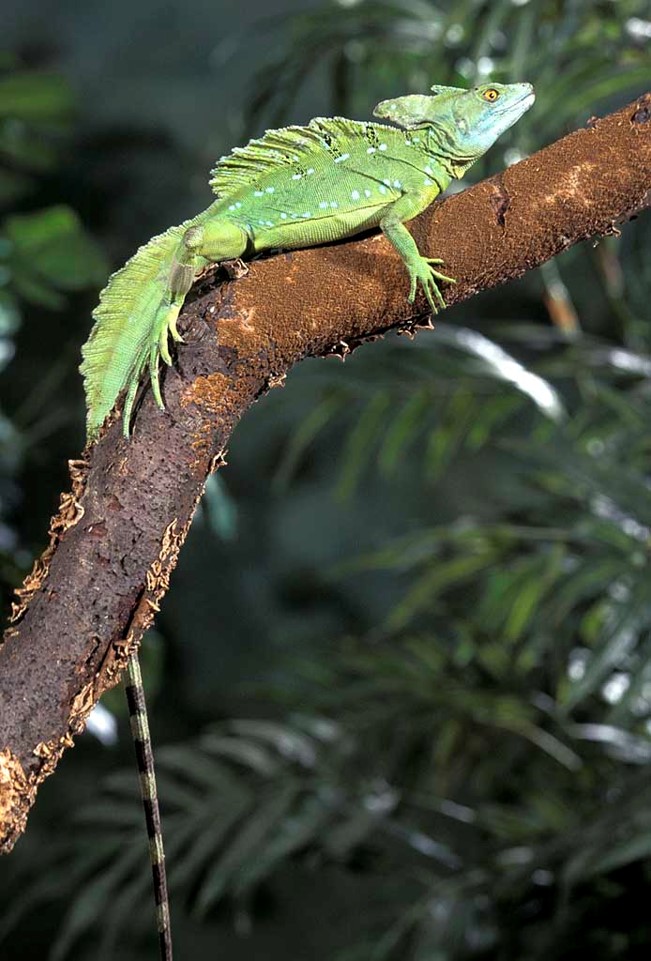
[294, 187]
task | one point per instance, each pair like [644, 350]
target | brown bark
[117, 535]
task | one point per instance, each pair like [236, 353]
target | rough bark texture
[118, 532]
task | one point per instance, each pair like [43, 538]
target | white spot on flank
[258, 193]
[408, 141]
[334, 204]
[308, 214]
[428, 182]
[283, 216]
[324, 205]
[270, 190]
[383, 146]
[238, 205]
[270, 223]
[232, 207]
[382, 189]
[355, 194]
[310, 171]
[367, 193]
[296, 176]
[397, 184]
[387, 183]
[416, 139]
[428, 170]
[344, 156]
[371, 150]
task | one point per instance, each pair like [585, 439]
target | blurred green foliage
[45, 252]
[42, 251]
[407, 673]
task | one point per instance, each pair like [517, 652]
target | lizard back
[332, 178]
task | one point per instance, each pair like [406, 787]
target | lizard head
[482, 114]
[471, 119]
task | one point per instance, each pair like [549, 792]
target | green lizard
[294, 187]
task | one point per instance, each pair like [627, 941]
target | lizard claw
[154, 374]
[171, 326]
[163, 347]
[435, 273]
[425, 275]
[167, 326]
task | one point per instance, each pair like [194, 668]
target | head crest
[438, 88]
[407, 112]
[415, 109]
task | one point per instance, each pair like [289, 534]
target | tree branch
[116, 537]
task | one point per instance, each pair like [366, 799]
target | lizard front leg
[420, 268]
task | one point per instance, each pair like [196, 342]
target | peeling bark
[116, 537]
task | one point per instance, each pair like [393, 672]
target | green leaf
[35, 97]
[246, 843]
[50, 251]
[359, 443]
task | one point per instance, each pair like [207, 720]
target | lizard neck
[441, 146]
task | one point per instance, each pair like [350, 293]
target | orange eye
[490, 95]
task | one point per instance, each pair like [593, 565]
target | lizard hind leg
[151, 350]
[217, 239]
[214, 241]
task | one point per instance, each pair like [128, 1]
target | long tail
[145, 758]
[132, 320]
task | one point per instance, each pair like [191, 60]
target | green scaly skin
[295, 187]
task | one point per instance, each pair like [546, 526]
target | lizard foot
[155, 349]
[423, 273]
[235, 268]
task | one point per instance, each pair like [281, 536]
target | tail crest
[136, 311]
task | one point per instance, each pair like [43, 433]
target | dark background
[400, 687]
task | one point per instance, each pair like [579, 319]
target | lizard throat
[444, 151]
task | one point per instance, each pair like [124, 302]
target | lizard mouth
[519, 105]
[526, 98]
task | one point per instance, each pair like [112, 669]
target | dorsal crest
[286, 147]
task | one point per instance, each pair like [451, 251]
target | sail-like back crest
[286, 147]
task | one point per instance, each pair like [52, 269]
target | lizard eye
[490, 95]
